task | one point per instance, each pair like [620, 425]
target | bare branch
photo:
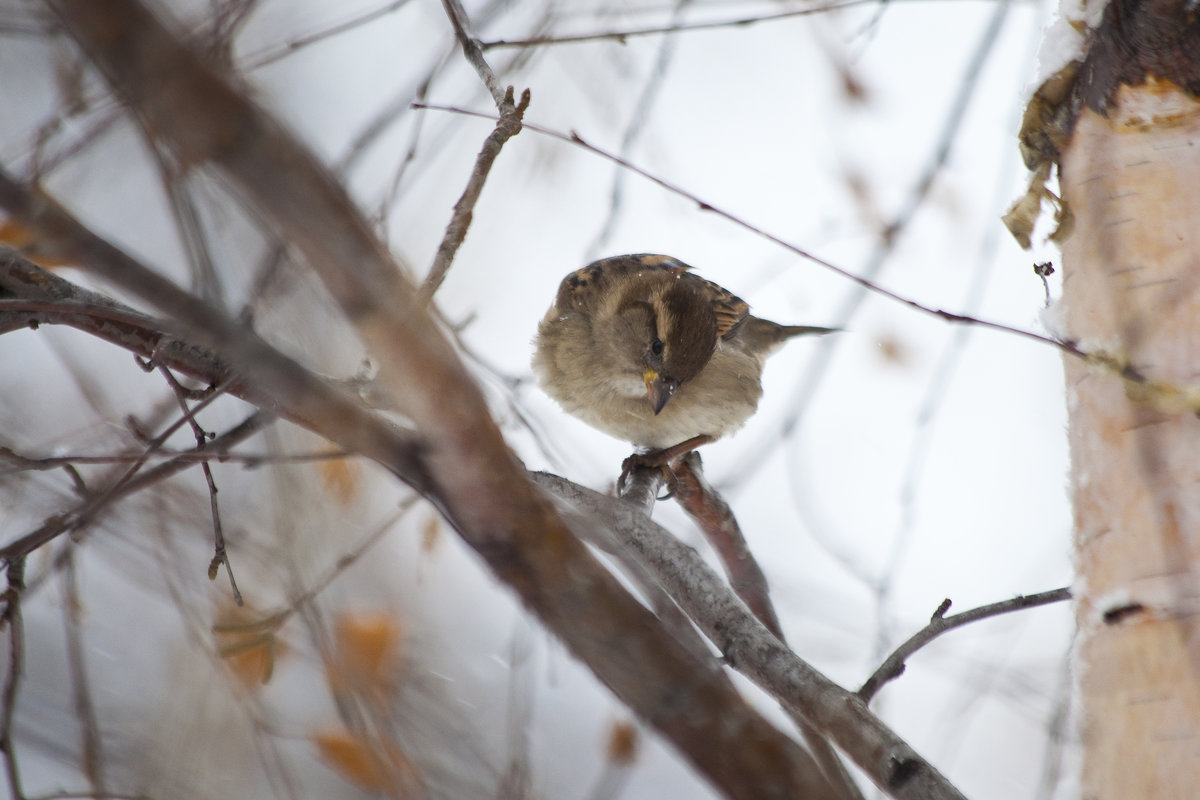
[716, 520]
[582, 514]
[85, 513]
[273, 54]
[123, 484]
[10, 617]
[639, 485]
[508, 126]
[674, 27]
[939, 623]
[220, 554]
[67, 463]
[187, 341]
[91, 749]
[724, 535]
[472, 51]
[755, 652]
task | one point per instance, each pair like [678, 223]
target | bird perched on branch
[642, 348]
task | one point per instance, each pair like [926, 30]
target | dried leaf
[380, 768]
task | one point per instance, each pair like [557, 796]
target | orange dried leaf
[254, 663]
[367, 647]
[248, 646]
[375, 769]
[622, 742]
[15, 235]
[341, 477]
[431, 534]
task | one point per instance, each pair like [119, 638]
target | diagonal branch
[472, 50]
[755, 652]
[121, 486]
[716, 520]
[721, 529]
[939, 623]
[10, 617]
[189, 339]
[508, 126]
[674, 27]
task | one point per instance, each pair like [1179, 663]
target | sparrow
[645, 350]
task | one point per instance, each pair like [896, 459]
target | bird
[642, 348]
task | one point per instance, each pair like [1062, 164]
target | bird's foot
[663, 460]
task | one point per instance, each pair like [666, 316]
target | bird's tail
[764, 336]
[788, 331]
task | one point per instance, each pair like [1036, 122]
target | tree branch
[120, 485]
[724, 535]
[10, 617]
[716, 520]
[508, 126]
[939, 623]
[187, 340]
[472, 51]
[755, 652]
[620, 36]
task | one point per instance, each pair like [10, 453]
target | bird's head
[670, 336]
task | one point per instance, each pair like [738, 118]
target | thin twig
[249, 460]
[89, 796]
[11, 617]
[639, 117]
[85, 710]
[220, 555]
[673, 27]
[102, 498]
[66, 464]
[939, 623]
[472, 50]
[124, 485]
[507, 126]
[277, 52]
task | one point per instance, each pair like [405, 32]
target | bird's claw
[662, 460]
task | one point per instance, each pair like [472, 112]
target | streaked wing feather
[730, 310]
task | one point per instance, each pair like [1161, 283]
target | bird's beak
[658, 389]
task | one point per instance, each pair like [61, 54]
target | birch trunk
[1131, 288]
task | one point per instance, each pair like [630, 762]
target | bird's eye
[656, 347]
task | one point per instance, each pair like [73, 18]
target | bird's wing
[590, 281]
[731, 310]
